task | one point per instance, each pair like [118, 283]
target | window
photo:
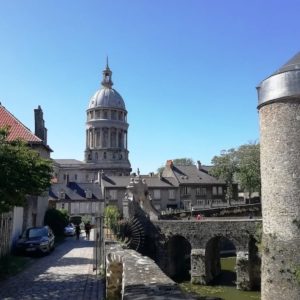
[156, 194]
[187, 204]
[200, 191]
[214, 190]
[62, 194]
[120, 116]
[185, 190]
[88, 194]
[75, 177]
[220, 190]
[105, 114]
[113, 115]
[62, 205]
[217, 190]
[113, 194]
[200, 202]
[171, 194]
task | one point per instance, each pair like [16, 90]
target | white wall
[17, 224]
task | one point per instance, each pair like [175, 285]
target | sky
[186, 69]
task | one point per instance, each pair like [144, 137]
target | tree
[183, 161]
[241, 164]
[22, 172]
[224, 167]
[57, 220]
[112, 216]
[248, 174]
[179, 162]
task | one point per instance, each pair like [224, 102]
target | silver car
[69, 230]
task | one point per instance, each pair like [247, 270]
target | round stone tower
[106, 130]
[279, 112]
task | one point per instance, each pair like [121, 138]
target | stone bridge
[190, 249]
[194, 246]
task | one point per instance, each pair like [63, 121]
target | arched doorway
[220, 260]
[178, 258]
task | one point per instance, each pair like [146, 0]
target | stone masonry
[203, 236]
[279, 111]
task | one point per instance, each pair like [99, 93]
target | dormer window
[62, 194]
[88, 194]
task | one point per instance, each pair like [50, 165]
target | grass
[226, 292]
[11, 265]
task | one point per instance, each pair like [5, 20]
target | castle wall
[280, 171]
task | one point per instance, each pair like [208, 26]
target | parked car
[36, 239]
[69, 230]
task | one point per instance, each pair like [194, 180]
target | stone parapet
[132, 276]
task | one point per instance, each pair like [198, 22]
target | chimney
[199, 165]
[169, 163]
[40, 130]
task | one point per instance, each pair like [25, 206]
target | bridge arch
[178, 254]
[214, 249]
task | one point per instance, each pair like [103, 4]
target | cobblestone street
[67, 273]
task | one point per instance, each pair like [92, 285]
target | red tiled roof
[17, 129]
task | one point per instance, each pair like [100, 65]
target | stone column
[101, 137]
[93, 137]
[125, 135]
[198, 270]
[242, 269]
[87, 138]
[279, 112]
[90, 138]
[109, 138]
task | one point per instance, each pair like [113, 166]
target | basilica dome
[108, 98]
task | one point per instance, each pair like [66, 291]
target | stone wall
[131, 276]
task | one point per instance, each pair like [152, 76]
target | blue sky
[186, 69]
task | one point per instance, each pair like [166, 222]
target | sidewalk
[66, 273]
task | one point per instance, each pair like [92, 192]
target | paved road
[67, 273]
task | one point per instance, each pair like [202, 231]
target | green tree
[22, 172]
[179, 162]
[241, 165]
[248, 173]
[224, 167]
[183, 161]
[57, 220]
[112, 216]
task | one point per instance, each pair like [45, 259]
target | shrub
[57, 220]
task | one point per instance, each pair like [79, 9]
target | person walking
[77, 231]
[87, 229]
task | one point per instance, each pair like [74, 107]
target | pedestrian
[87, 229]
[77, 230]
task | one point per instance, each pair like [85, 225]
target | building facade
[106, 150]
[32, 214]
[198, 189]
[106, 138]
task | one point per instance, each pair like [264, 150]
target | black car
[36, 239]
